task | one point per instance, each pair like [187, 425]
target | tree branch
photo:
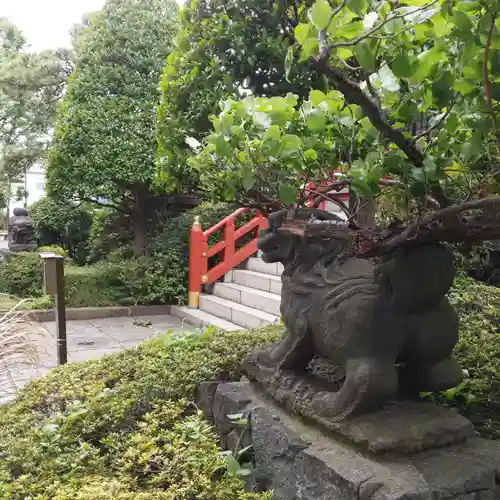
[354, 95]
[373, 30]
[438, 122]
[442, 225]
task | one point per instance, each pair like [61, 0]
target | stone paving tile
[108, 336]
[132, 333]
[91, 354]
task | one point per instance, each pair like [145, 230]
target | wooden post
[230, 249]
[196, 250]
[53, 273]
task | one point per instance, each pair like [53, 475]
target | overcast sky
[46, 23]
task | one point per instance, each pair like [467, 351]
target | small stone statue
[21, 232]
[357, 335]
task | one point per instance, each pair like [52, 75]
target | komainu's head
[283, 247]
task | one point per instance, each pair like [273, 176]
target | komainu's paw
[261, 357]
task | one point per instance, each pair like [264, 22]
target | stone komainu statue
[385, 331]
[21, 231]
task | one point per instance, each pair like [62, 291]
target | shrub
[53, 249]
[124, 427]
[63, 224]
[110, 231]
[169, 252]
[21, 274]
[478, 351]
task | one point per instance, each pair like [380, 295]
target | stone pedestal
[404, 451]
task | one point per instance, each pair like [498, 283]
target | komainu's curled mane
[388, 329]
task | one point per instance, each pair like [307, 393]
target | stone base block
[301, 462]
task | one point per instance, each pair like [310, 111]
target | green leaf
[232, 465]
[288, 193]
[291, 142]
[273, 133]
[465, 86]
[302, 32]
[462, 21]
[320, 14]
[402, 66]
[361, 188]
[222, 147]
[365, 54]
[430, 168]
[495, 91]
[441, 26]
[316, 97]
[248, 180]
[426, 62]
[357, 6]
[348, 31]
[316, 121]
[442, 88]
[310, 154]
[495, 63]
[419, 174]
[418, 189]
[371, 159]
[393, 162]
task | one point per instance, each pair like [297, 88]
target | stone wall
[300, 462]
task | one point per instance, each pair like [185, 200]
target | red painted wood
[223, 222]
[197, 261]
[199, 251]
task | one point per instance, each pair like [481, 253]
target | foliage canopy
[30, 86]
[224, 48]
[104, 144]
[414, 87]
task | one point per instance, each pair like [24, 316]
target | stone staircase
[249, 297]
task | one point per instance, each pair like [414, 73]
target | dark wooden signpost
[53, 279]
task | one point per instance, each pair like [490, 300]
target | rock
[406, 427]
[299, 461]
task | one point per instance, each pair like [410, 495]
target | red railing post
[197, 263]
[230, 249]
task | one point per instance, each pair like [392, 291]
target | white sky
[46, 23]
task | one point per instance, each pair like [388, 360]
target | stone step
[251, 297]
[252, 279]
[202, 319]
[258, 265]
[245, 316]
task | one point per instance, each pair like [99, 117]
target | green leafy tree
[224, 48]
[31, 85]
[104, 145]
[415, 85]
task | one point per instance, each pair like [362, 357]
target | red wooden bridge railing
[200, 252]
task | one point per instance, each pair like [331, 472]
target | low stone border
[85, 313]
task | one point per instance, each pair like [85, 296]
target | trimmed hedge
[478, 351]
[63, 223]
[125, 426]
[159, 277]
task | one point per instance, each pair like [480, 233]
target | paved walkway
[89, 339]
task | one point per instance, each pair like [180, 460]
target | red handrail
[199, 251]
